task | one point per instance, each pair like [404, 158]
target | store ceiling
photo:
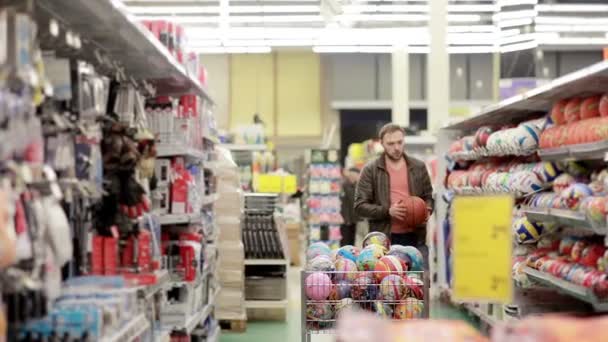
[379, 25]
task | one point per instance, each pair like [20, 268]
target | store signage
[482, 244]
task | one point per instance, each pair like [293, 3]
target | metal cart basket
[391, 295]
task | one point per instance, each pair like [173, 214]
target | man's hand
[398, 211]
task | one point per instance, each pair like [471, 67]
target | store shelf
[164, 150]
[587, 81]
[266, 304]
[167, 219]
[107, 25]
[580, 292]
[193, 321]
[130, 331]
[563, 217]
[162, 336]
[239, 147]
[163, 281]
[271, 262]
[590, 151]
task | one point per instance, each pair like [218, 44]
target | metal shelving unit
[167, 219]
[268, 262]
[163, 150]
[591, 151]
[106, 25]
[564, 217]
[162, 282]
[580, 292]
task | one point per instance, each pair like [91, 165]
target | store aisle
[290, 330]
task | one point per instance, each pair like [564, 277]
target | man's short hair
[354, 169]
[390, 128]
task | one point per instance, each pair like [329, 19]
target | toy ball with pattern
[577, 250]
[392, 288]
[549, 171]
[575, 193]
[557, 112]
[340, 291]
[562, 182]
[590, 107]
[388, 265]
[364, 287]
[572, 112]
[596, 210]
[566, 245]
[320, 263]
[377, 238]
[412, 308]
[528, 136]
[384, 310]
[482, 135]
[414, 287]
[592, 254]
[415, 257]
[316, 249]
[318, 286]
[346, 270]
[526, 231]
[604, 105]
[402, 254]
[369, 256]
[526, 182]
[318, 314]
[468, 143]
[347, 252]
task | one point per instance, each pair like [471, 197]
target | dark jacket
[372, 197]
[348, 202]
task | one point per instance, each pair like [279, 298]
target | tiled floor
[290, 330]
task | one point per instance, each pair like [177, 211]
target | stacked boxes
[228, 209]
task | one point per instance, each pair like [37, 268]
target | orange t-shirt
[400, 190]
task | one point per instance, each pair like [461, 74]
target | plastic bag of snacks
[552, 329]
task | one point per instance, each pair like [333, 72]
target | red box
[137, 252]
[97, 255]
[110, 256]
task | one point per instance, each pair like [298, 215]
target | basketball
[388, 265]
[590, 107]
[417, 212]
[572, 112]
[557, 113]
[604, 105]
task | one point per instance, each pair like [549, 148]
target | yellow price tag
[290, 184]
[269, 183]
[482, 242]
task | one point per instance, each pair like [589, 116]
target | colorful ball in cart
[382, 309]
[364, 287]
[319, 315]
[596, 210]
[348, 252]
[369, 256]
[321, 263]
[316, 249]
[414, 287]
[377, 238]
[346, 269]
[389, 265]
[410, 255]
[340, 291]
[392, 288]
[318, 286]
[411, 308]
[526, 231]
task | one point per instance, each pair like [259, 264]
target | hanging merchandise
[324, 205]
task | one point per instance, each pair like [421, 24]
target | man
[349, 228]
[385, 182]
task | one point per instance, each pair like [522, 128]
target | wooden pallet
[234, 325]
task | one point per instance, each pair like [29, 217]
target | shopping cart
[399, 296]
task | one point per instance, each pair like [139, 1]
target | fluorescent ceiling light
[518, 38]
[275, 9]
[406, 17]
[515, 22]
[507, 3]
[349, 9]
[167, 10]
[595, 8]
[507, 15]
[276, 19]
[353, 49]
[571, 20]
[574, 41]
[471, 49]
[475, 28]
[510, 32]
[571, 28]
[519, 47]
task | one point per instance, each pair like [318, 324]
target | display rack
[106, 25]
[583, 293]
[130, 331]
[531, 105]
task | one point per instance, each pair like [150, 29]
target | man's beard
[395, 158]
